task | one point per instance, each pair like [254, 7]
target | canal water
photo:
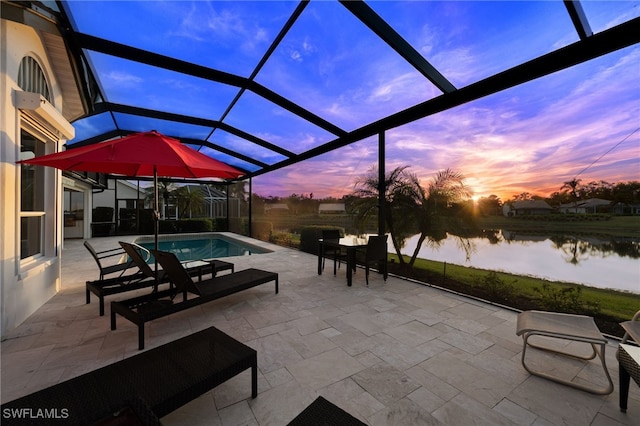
[596, 262]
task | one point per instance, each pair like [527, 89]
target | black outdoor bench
[142, 309]
[148, 385]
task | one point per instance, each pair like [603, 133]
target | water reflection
[592, 260]
[584, 247]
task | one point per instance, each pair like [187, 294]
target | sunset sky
[582, 122]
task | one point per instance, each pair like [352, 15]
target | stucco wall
[24, 286]
[106, 198]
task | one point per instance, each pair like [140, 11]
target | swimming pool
[201, 246]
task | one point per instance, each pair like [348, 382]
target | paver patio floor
[394, 353]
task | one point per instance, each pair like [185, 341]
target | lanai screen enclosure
[266, 85]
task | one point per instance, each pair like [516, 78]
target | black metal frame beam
[588, 47]
[578, 18]
[223, 150]
[611, 40]
[276, 42]
[198, 121]
[119, 50]
[383, 30]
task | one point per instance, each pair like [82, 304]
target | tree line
[570, 192]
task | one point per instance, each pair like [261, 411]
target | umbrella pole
[156, 221]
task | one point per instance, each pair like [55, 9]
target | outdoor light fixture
[36, 104]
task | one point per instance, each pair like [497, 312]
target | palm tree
[366, 204]
[190, 201]
[437, 211]
[572, 186]
[430, 211]
[164, 192]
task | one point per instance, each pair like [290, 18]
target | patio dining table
[350, 244]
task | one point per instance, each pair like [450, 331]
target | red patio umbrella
[139, 154]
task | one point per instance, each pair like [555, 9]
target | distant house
[276, 208]
[626, 209]
[331, 208]
[592, 205]
[526, 207]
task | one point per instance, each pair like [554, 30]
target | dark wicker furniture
[145, 277]
[628, 359]
[164, 378]
[375, 254]
[142, 309]
[323, 413]
[333, 251]
[99, 256]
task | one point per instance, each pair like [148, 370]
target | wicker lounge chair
[105, 286]
[153, 383]
[577, 328]
[142, 309]
[145, 277]
[140, 255]
[118, 268]
[628, 357]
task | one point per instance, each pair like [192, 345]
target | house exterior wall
[335, 208]
[25, 285]
[107, 197]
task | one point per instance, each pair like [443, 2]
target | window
[31, 78]
[32, 189]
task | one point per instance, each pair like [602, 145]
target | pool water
[205, 247]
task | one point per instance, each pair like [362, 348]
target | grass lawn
[517, 291]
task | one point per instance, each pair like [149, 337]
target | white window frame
[46, 139]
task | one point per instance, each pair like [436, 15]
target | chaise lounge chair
[99, 256]
[145, 276]
[105, 286]
[140, 255]
[142, 309]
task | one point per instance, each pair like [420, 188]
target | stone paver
[392, 353]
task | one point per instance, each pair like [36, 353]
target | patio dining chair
[375, 255]
[333, 252]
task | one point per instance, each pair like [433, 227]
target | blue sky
[531, 138]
